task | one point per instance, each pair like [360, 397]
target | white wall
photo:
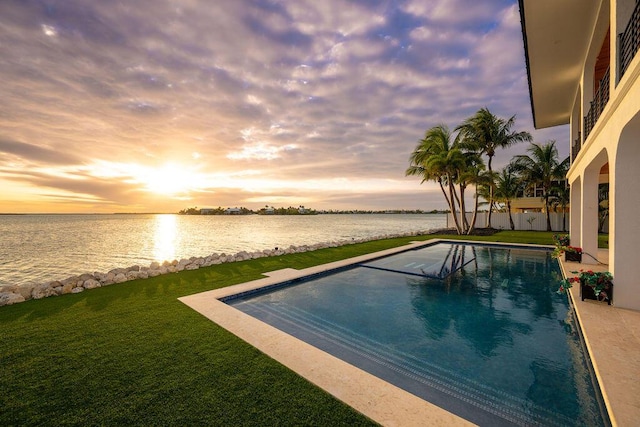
[500, 220]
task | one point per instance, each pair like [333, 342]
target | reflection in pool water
[493, 343]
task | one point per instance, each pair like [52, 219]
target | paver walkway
[612, 336]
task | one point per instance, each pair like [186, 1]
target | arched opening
[624, 209]
[590, 207]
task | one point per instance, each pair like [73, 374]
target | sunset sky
[159, 105]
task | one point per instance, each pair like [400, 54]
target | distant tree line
[301, 210]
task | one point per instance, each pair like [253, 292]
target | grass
[133, 354]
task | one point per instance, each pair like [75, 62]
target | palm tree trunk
[475, 213]
[546, 208]
[463, 211]
[452, 206]
[488, 225]
[513, 227]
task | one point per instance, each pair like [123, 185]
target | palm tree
[508, 186]
[436, 158]
[541, 168]
[486, 133]
[473, 174]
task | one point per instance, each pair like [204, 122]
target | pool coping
[375, 398]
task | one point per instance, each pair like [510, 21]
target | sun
[170, 179]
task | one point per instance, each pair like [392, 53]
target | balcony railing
[597, 105]
[575, 149]
[629, 41]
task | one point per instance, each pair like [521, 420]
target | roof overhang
[556, 37]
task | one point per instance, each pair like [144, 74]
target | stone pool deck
[612, 336]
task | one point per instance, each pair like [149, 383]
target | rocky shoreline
[13, 294]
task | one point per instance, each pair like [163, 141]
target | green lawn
[133, 354]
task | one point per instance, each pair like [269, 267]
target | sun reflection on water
[165, 238]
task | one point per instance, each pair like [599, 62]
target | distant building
[531, 200]
[232, 211]
[207, 211]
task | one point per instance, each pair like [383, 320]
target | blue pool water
[476, 330]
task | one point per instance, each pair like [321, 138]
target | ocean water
[40, 248]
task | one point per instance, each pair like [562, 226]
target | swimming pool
[477, 330]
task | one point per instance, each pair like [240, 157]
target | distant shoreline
[175, 213]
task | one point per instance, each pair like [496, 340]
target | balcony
[575, 148]
[600, 101]
[629, 41]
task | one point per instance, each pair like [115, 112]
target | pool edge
[375, 398]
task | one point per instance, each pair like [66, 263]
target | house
[583, 68]
[233, 211]
[530, 199]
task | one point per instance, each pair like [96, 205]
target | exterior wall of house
[614, 140]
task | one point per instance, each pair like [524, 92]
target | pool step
[424, 378]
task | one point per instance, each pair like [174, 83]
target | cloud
[36, 153]
[332, 90]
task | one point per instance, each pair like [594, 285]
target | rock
[154, 273]
[8, 289]
[154, 265]
[132, 275]
[120, 277]
[91, 284]
[77, 290]
[133, 268]
[42, 291]
[191, 267]
[9, 298]
[72, 279]
[25, 291]
[108, 279]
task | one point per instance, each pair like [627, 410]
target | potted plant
[561, 239]
[593, 285]
[571, 253]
